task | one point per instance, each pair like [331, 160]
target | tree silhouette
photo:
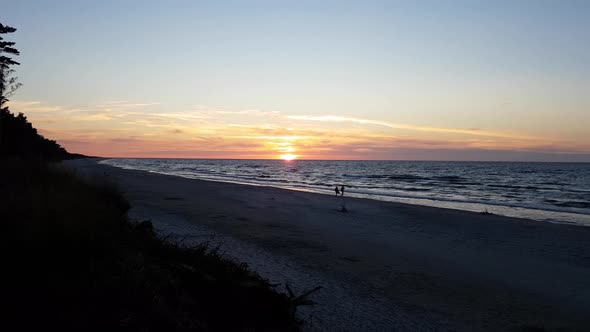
[8, 82]
[18, 138]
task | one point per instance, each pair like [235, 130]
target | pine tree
[8, 82]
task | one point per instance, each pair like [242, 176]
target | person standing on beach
[342, 191]
[337, 191]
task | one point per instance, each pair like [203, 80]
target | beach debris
[295, 301]
[485, 212]
[303, 298]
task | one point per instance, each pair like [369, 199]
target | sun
[288, 156]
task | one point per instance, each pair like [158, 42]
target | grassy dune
[73, 261]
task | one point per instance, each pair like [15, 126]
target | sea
[553, 192]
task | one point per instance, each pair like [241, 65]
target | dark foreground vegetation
[74, 262]
[18, 138]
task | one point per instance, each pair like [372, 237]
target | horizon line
[304, 159]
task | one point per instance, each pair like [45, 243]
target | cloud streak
[472, 132]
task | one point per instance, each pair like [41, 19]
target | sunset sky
[434, 80]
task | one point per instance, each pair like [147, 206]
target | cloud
[37, 107]
[473, 132]
[125, 104]
[250, 112]
[125, 140]
[184, 116]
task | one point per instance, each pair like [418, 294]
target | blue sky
[511, 69]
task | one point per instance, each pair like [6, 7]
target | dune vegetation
[74, 261]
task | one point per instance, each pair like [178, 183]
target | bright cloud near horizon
[423, 80]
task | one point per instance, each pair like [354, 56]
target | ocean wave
[450, 178]
[573, 204]
[417, 189]
[532, 206]
[401, 177]
[508, 186]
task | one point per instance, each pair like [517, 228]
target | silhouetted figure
[337, 191]
[342, 190]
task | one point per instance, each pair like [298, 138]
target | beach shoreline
[406, 266]
[476, 187]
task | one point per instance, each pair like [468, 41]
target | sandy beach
[382, 265]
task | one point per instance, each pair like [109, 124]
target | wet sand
[382, 265]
